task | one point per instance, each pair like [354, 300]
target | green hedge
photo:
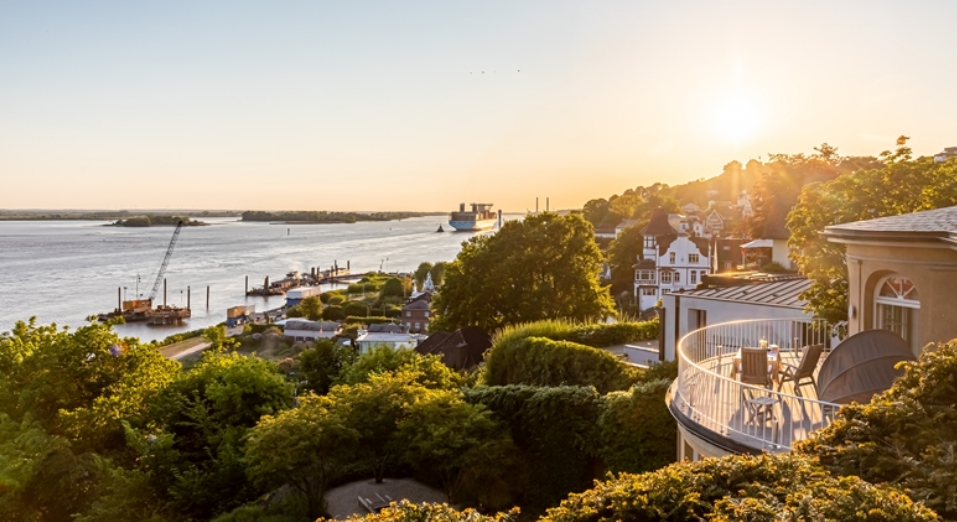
[353, 319]
[538, 361]
[637, 431]
[596, 335]
[555, 430]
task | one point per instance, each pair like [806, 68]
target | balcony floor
[792, 419]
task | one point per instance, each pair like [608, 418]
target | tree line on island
[322, 216]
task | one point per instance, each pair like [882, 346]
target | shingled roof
[938, 225]
[658, 225]
[460, 350]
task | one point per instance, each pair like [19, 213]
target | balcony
[709, 402]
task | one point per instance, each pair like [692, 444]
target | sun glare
[736, 120]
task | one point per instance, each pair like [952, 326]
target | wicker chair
[804, 370]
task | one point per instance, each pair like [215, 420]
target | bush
[294, 312]
[372, 319]
[555, 430]
[596, 335]
[393, 311]
[333, 313]
[355, 308]
[636, 429]
[905, 436]
[538, 361]
[755, 488]
[336, 299]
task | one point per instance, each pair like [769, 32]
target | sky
[366, 105]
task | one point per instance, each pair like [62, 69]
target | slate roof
[777, 293]
[460, 350]
[658, 224]
[928, 225]
[419, 304]
[315, 326]
[387, 328]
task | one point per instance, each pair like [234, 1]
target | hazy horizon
[422, 105]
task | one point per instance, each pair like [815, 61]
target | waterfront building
[394, 336]
[416, 314]
[304, 330]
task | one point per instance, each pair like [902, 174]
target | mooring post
[207, 297]
[348, 265]
[247, 285]
[164, 291]
[119, 298]
[187, 299]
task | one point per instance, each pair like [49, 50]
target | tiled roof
[304, 324]
[658, 224]
[778, 293]
[939, 224]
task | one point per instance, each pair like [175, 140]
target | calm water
[64, 271]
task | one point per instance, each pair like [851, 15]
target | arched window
[896, 308]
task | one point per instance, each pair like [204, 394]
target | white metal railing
[756, 416]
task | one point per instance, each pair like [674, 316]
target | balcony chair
[754, 370]
[804, 370]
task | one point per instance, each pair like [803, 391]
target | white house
[303, 330]
[394, 336]
[685, 312]
[672, 261]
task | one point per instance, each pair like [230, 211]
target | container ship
[480, 218]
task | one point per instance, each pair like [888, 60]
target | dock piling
[247, 285]
[164, 291]
[188, 298]
[207, 297]
[119, 298]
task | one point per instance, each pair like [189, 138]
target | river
[65, 271]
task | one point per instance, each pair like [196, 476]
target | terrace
[710, 401]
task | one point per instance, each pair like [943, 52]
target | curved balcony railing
[761, 418]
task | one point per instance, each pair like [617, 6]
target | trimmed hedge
[637, 431]
[596, 335]
[372, 319]
[538, 361]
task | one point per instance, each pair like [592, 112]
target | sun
[736, 120]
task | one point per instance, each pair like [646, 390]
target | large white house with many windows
[673, 260]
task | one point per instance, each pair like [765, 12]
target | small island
[321, 216]
[152, 220]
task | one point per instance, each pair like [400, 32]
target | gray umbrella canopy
[862, 366]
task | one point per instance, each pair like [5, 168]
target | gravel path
[343, 501]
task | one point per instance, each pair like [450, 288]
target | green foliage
[773, 268]
[445, 436]
[305, 447]
[438, 273]
[333, 313]
[596, 335]
[369, 320]
[404, 511]
[762, 488]
[555, 430]
[322, 364]
[205, 415]
[545, 266]
[79, 385]
[355, 308]
[538, 361]
[428, 370]
[902, 185]
[637, 431]
[906, 436]
[336, 299]
[421, 273]
[624, 251]
[595, 211]
[311, 308]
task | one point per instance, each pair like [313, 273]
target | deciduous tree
[545, 266]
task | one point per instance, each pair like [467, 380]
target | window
[416, 326]
[703, 273]
[644, 275]
[693, 258]
[694, 277]
[728, 265]
[896, 308]
[666, 277]
[408, 314]
[648, 291]
[671, 258]
[426, 314]
[677, 277]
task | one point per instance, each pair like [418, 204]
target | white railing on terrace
[758, 417]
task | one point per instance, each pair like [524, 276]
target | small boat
[440, 229]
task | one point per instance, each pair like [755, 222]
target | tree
[905, 437]
[595, 211]
[428, 370]
[624, 251]
[323, 363]
[374, 409]
[305, 447]
[901, 186]
[545, 266]
[448, 437]
[311, 308]
[421, 273]
[438, 273]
